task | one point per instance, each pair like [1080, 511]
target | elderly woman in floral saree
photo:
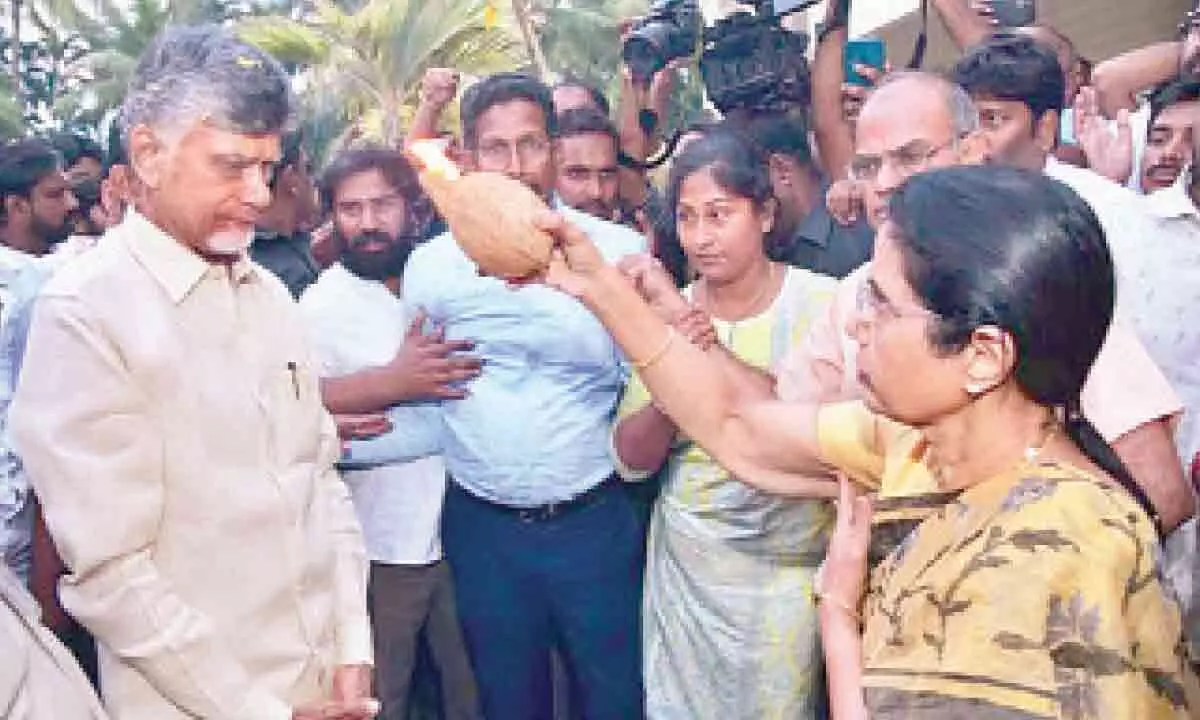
[1026, 583]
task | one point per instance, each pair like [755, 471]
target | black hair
[570, 81]
[115, 153]
[1011, 248]
[23, 164]
[87, 193]
[776, 133]
[667, 248]
[586, 121]
[397, 171]
[291, 146]
[1171, 93]
[737, 163]
[72, 148]
[498, 89]
[1014, 67]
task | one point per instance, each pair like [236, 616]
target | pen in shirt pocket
[292, 370]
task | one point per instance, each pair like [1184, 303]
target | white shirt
[1165, 278]
[1139, 124]
[1127, 222]
[11, 263]
[1155, 242]
[356, 324]
[170, 420]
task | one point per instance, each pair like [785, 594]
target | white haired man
[172, 426]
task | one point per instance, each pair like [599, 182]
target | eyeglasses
[529, 149]
[908, 159]
[871, 301]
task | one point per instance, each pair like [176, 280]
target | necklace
[747, 311]
[1033, 452]
[1029, 456]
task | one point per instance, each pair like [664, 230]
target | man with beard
[544, 545]
[1168, 275]
[1174, 112]
[36, 201]
[358, 319]
[586, 149]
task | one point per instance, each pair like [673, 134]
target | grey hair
[205, 73]
[964, 116]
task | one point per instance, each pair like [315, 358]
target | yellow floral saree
[1033, 595]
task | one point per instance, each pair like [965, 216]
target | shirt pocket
[295, 411]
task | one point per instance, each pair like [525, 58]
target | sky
[866, 15]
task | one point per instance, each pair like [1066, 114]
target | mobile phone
[866, 51]
[1014, 13]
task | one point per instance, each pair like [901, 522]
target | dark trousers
[525, 586]
[409, 602]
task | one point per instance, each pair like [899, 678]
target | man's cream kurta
[171, 423]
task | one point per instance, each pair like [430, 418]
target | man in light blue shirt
[544, 544]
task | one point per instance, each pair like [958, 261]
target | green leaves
[364, 66]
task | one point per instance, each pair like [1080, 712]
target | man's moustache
[368, 238]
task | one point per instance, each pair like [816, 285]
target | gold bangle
[658, 354]
[822, 597]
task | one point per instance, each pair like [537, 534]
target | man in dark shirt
[281, 239]
[805, 233]
[824, 245]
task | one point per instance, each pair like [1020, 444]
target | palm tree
[583, 37]
[14, 9]
[12, 122]
[364, 67]
[116, 33]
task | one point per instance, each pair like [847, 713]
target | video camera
[747, 59]
[669, 30]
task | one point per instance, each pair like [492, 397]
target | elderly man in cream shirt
[172, 426]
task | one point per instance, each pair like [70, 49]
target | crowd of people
[884, 406]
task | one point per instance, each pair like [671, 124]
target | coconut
[492, 218]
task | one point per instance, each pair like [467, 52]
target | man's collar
[349, 277]
[176, 267]
[1173, 201]
[12, 257]
[816, 227]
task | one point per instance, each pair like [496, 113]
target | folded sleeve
[94, 453]
[416, 433]
[1126, 389]
[848, 438]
